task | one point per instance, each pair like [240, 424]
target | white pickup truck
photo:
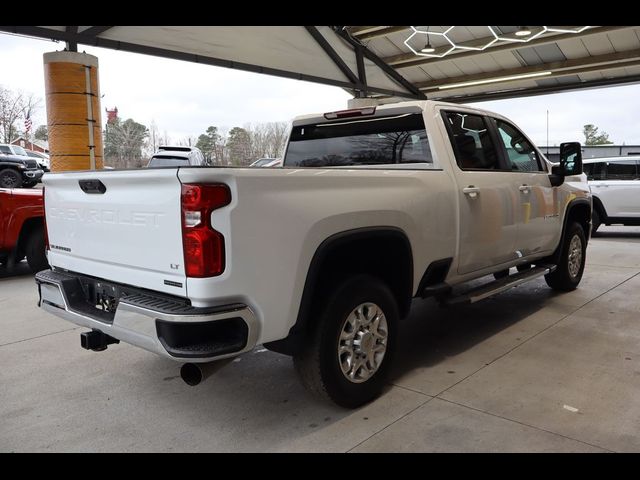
[322, 258]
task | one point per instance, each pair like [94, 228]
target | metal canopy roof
[468, 64]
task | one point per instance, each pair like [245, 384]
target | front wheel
[348, 354]
[9, 178]
[570, 268]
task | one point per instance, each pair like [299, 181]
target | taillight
[203, 246]
[44, 222]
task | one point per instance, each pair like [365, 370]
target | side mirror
[570, 163]
[571, 158]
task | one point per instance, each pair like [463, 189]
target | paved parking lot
[527, 371]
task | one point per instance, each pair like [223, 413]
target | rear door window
[397, 139]
[471, 140]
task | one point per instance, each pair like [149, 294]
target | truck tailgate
[131, 233]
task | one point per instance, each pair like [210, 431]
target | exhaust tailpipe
[194, 373]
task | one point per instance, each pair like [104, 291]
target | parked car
[274, 163]
[42, 159]
[615, 186]
[168, 156]
[22, 228]
[19, 171]
[262, 162]
[9, 149]
[376, 206]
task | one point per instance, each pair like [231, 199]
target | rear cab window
[399, 140]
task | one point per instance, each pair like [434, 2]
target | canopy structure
[453, 63]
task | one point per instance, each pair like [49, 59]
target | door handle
[471, 191]
[524, 188]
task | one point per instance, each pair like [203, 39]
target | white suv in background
[168, 156]
[615, 187]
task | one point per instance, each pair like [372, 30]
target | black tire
[566, 277]
[319, 365]
[36, 252]
[10, 178]
[596, 221]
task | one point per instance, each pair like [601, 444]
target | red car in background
[22, 228]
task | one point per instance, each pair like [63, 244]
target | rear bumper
[156, 323]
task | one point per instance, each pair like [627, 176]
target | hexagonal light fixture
[522, 35]
[517, 38]
[427, 34]
[567, 29]
[462, 46]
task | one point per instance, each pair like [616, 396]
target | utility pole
[547, 133]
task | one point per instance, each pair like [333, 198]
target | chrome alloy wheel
[575, 256]
[363, 342]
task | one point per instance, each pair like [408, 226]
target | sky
[184, 98]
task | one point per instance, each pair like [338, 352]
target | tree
[591, 136]
[42, 133]
[267, 139]
[124, 141]
[13, 106]
[208, 143]
[154, 136]
[239, 146]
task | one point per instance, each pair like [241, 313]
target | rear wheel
[570, 268]
[36, 251]
[347, 356]
[9, 178]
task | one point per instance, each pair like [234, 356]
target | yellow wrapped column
[73, 111]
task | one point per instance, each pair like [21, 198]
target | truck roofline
[412, 106]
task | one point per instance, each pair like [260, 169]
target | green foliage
[239, 146]
[41, 133]
[591, 136]
[207, 142]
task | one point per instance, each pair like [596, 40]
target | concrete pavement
[527, 371]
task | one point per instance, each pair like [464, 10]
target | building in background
[594, 151]
[35, 145]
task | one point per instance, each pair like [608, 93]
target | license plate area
[102, 296]
[92, 298]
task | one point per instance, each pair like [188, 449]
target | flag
[27, 124]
